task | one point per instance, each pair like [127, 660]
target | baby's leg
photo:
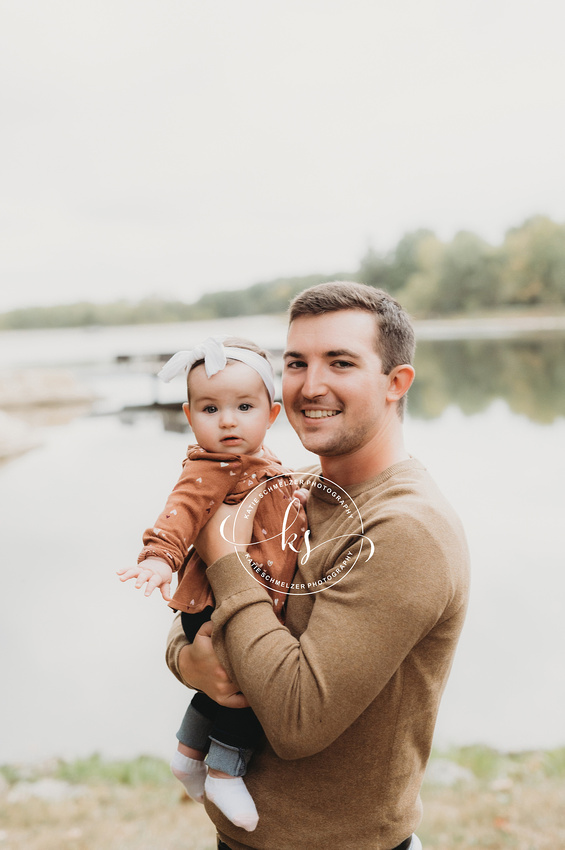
[187, 763]
[191, 772]
[232, 798]
[235, 733]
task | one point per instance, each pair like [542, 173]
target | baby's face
[231, 411]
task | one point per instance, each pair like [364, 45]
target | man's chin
[311, 434]
[321, 446]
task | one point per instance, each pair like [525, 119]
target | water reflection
[528, 374]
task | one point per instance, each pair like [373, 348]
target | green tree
[534, 263]
[409, 257]
[374, 270]
[469, 277]
[418, 262]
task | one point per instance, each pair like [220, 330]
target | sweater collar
[325, 494]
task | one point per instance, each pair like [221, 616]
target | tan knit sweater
[348, 691]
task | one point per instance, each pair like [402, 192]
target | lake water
[82, 665]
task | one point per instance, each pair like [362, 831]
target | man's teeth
[320, 414]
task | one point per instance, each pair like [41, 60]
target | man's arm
[307, 691]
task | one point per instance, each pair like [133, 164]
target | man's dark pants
[404, 846]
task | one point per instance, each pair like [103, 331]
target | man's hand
[199, 665]
[153, 572]
[217, 538]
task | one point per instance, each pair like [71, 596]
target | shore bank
[32, 397]
[473, 797]
[488, 327]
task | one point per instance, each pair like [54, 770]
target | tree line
[430, 277]
[434, 278]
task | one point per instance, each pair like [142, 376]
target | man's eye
[245, 406]
[295, 364]
[210, 408]
[342, 364]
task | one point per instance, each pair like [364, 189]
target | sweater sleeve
[307, 691]
[202, 487]
[175, 642]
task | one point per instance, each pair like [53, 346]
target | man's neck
[382, 452]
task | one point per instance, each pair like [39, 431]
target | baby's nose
[227, 418]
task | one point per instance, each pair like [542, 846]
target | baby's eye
[245, 406]
[210, 408]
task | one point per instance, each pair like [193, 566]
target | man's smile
[319, 414]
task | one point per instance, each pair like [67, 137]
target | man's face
[333, 386]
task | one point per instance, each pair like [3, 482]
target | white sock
[233, 799]
[192, 773]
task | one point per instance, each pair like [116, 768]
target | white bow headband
[215, 357]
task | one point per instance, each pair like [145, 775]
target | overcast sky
[174, 147]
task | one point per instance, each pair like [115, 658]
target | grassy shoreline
[473, 797]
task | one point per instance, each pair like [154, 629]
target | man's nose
[315, 382]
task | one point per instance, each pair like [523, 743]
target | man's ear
[400, 381]
[186, 408]
[275, 410]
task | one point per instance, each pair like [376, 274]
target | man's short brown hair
[394, 340]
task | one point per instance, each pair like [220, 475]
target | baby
[230, 407]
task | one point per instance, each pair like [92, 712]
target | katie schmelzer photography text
[297, 539]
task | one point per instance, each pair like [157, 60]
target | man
[348, 692]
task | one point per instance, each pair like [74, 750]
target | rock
[447, 774]
[50, 790]
[28, 387]
[16, 436]
[502, 784]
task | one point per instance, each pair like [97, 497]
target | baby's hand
[302, 495]
[153, 572]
